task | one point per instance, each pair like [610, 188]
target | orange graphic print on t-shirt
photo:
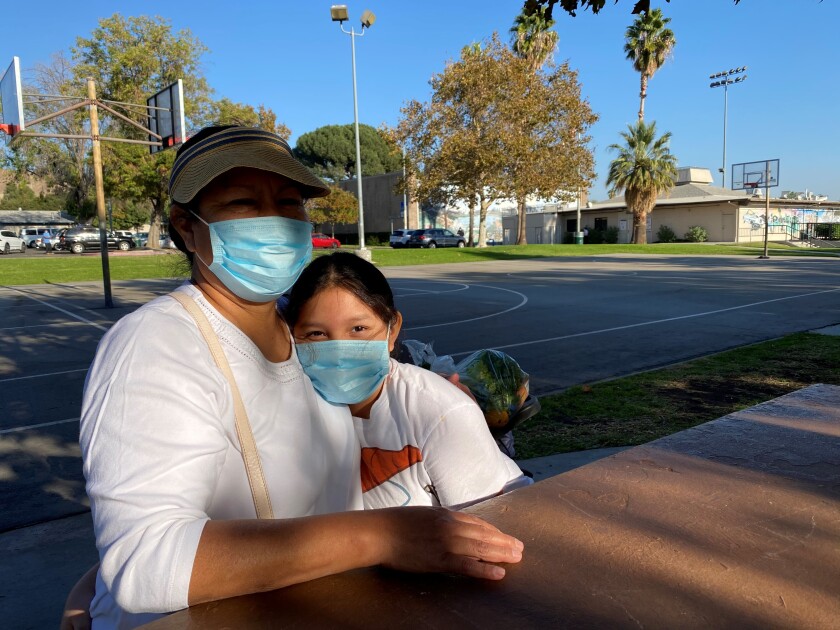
[379, 465]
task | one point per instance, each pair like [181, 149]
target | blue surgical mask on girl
[345, 371]
[259, 258]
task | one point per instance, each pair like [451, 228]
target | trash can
[578, 238]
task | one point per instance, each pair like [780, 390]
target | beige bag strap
[253, 466]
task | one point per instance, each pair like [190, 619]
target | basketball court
[567, 321]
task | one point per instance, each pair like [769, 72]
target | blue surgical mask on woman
[345, 371]
[259, 258]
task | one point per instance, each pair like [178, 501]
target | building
[18, 219]
[728, 216]
[384, 212]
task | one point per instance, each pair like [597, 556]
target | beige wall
[717, 219]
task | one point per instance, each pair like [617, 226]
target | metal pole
[405, 197]
[766, 208]
[578, 239]
[100, 192]
[362, 250]
[725, 100]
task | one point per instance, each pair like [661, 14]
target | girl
[424, 442]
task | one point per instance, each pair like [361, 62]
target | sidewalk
[42, 562]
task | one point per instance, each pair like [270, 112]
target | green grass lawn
[639, 408]
[398, 257]
[62, 267]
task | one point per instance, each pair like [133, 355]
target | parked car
[437, 237]
[399, 238]
[141, 238]
[31, 235]
[166, 242]
[322, 240]
[11, 242]
[80, 239]
[124, 234]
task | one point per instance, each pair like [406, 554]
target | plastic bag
[499, 385]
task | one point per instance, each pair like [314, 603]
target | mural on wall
[753, 218]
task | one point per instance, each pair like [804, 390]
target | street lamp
[724, 80]
[338, 13]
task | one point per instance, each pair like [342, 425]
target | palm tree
[534, 42]
[648, 45]
[532, 38]
[643, 169]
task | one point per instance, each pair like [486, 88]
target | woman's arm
[248, 556]
[76, 614]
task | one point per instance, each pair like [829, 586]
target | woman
[424, 442]
[173, 498]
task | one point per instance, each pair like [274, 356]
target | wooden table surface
[732, 524]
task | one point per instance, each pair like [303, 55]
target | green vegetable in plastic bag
[499, 385]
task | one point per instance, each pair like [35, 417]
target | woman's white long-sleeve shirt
[161, 455]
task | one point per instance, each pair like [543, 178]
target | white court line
[417, 292]
[61, 310]
[38, 426]
[37, 326]
[23, 378]
[657, 321]
[473, 319]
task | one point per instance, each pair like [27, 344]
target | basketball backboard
[11, 100]
[166, 116]
[747, 175]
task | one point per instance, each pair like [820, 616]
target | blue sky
[291, 57]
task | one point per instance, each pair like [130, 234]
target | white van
[30, 235]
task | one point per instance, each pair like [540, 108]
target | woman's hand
[75, 619]
[432, 539]
[455, 379]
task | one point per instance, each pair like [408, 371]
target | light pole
[724, 80]
[338, 13]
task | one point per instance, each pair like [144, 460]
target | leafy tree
[571, 6]
[226, 112]
[643, 169]
[451, 142]
[496, 129]
[331, 152]
[18, 194]
[339, 206]
[648, 45]
[130, 59]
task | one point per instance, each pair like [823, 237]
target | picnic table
[734, 523]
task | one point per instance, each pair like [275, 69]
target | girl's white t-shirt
[161, 455]
[427, 443]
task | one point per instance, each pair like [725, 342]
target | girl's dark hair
[193, 205]
[348, 272]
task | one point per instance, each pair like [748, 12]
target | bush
[611, 235]
[696, 234]
[665, 234]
